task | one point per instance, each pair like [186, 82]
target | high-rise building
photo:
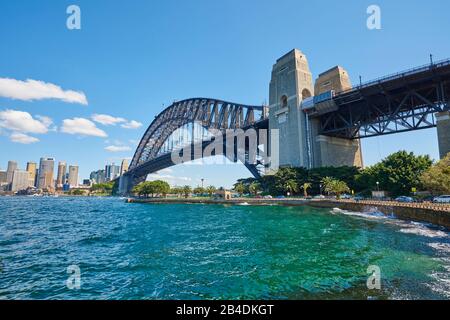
[111, 171]
[20, 180]
[12, 165]
[73, 176]
[61, 175]
[46, 168]
[98, 176]
[124, 166]
[31, 169]
[3, 178]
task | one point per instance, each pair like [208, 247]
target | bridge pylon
[298, 140]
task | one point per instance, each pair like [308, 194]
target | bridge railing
[393, 76]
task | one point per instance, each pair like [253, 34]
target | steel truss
[386, 108]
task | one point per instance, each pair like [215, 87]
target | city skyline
[104, 95]
[52, 175]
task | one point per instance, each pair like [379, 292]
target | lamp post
[378, 186]
[320, 189]
[202, 181]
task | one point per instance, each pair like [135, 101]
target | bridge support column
[125, 184]
[291, 83]
[443, 131]
[336, 152]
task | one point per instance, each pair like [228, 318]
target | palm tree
[291, 186]
[305, 188]
[210, 190]
[239, 188]
[254, 188]
[187, 191]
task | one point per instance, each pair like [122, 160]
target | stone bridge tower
[297, 140]
[291, 83]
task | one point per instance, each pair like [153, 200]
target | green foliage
[397, 174]
[334, 186]
[437, 178]
[103, 188]
[291, 187]
[210, 190]
[187, 190]
[305, 188]
[239, 188]
[152, 188]
[77, 192]
[199, 191]
[254, 187]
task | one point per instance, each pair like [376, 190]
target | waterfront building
[3, 179]
[86, 182]
[61, 175]
[12, 165]
[20, 180]
[46, 168]
[112, 171]
[97, 176]
[73, 176]
[124, 166]
[31, 169]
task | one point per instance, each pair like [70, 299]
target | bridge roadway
[405, 101]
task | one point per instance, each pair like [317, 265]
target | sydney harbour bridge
[305, 124]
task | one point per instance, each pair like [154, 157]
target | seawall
[438, 214]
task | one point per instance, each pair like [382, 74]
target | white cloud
[82, 126]
[107, 120]
[132, 125]
[30, 90]
[20, 121]
[23, 138]
[117, 148]
[134, 142]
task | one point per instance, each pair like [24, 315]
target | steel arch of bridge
[210, 113]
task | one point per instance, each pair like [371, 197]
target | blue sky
[131, 59]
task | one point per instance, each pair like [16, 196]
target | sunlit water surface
[143, 251]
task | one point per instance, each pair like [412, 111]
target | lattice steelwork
[403, 102]
[181, 116]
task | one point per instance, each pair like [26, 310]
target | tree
[254, 188]
[305, 188]
[397, 174]
[291, 186]
[153, 188]
[210, 190]
[437, 178]
[187, 190]
[199, 191]
[334, 186]
[103, 188]
[239, 188]
[177, 190]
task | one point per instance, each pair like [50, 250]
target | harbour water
[180, 251]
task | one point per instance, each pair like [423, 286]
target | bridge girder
[400, 103]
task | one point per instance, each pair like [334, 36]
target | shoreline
[437, 214]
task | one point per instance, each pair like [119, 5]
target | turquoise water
[143, 251]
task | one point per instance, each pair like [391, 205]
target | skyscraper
[31, 169]
[46, 167]
[20, 180]
[111, 171]
[61, 176]
[124, 166]
[73, 176]
[12, 165]
[98, 176]
[3, 178]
